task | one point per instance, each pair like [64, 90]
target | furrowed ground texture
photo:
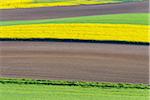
[8, 4]
[132, 18]
[15, 89]
[117, 32]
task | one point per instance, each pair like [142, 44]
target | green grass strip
[52, 92]
[74, 83]
[132, 18]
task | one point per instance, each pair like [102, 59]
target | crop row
[74, 83]
[116, 32]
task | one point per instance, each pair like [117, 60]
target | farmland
[132, 33]
[42, 92]
[9, 4]
[128, 27]
[101, 62]
[81, 50]
[134, 27]
[132, 18]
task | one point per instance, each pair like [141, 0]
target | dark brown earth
[63, 12]
[75, 61]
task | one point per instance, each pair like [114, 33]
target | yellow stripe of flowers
[117, 32]
[7, 4]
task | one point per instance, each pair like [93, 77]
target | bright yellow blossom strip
[14, 1]
[117, 32]
[34, 5]
[9, 4]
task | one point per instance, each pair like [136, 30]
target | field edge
[73, 83]
[75, 41]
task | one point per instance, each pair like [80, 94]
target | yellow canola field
[117, 32]
[15, 1]
[33, 5]
[9, 4]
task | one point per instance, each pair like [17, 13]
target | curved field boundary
[130, 18]
[74, 83]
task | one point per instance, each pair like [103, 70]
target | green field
[134, 18]
[45, 92]
[25, 89]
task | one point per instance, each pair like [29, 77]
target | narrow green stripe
[74, 83]
[133, 18]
